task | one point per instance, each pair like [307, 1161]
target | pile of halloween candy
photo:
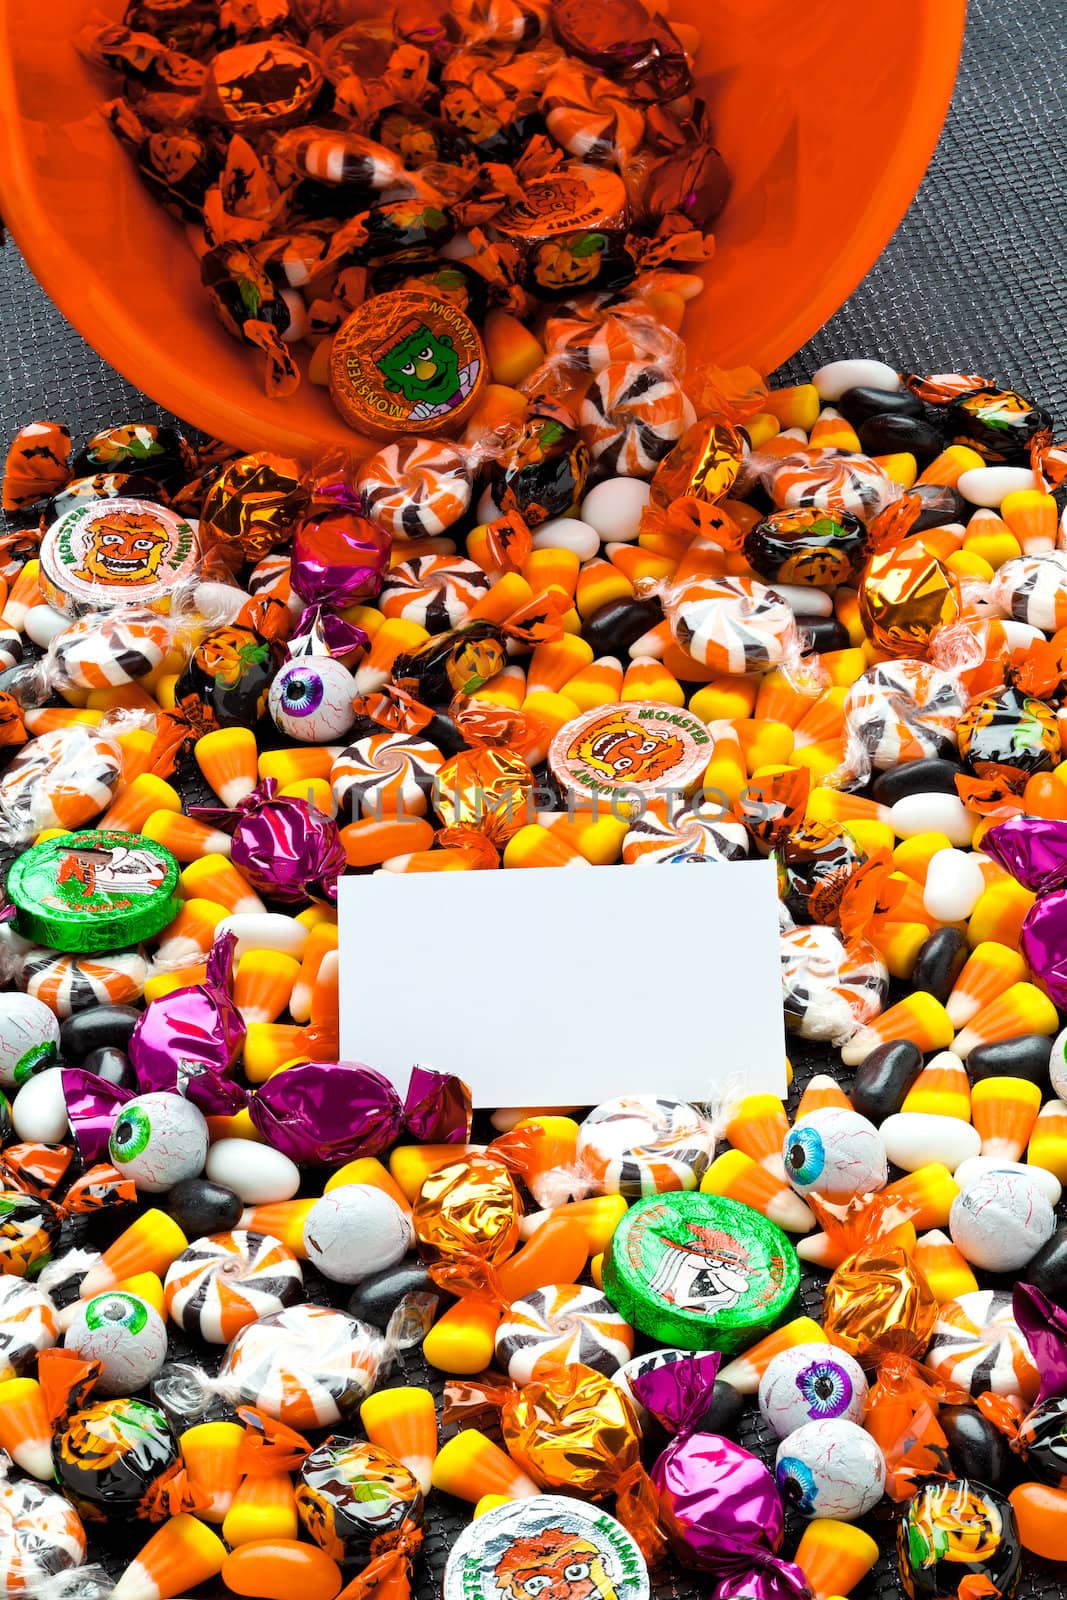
[822, 628]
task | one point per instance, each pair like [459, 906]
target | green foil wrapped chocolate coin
[700, 1272]
[97, 889]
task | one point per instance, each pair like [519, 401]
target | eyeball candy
[28, 1324]
[306, 1366]
[811, 1383]
[123, 1332]
[640, 1145]
[1000, 1221]
[219, 1285]
[954, 1534]
[108, 1455]
[355, 1230]
[29, 1038]
[830, 1469]
[40, 1536]
[311, 699]
[829, 990]
[356, 1501]
[836, 1154]
[157, 1140]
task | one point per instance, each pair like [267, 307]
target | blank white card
[560, 986]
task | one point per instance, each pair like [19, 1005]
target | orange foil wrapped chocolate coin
[406, 362]
[469, 1208]
[268, 83]
[878, 1303]
[905, 596]
[253, 506]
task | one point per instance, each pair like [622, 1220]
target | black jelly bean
[976, 1448]
[112, 1065]
[824, 634]
[613, 628]
[377, 1297]
[940, 504]
[857, 405]
[939, 963]
[1048, 1270]
[887, 435]
[1027, 1055]
[95, 1029]
[724, 1412]
[884, 1078]
[932, 775]
[201, 1207]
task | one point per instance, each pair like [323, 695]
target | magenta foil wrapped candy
[1044, 1327]
[718, 1505]
[286, 848]
[190, 1031]
[325, 1113]
[1043, 942]
[1032, 849]
[91, 1106]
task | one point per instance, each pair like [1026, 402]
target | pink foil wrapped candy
[91, 1106]
[1043, 942]
[1032, 849]
[286, 849]
[190, 1031]
[718, 1505]
[339, 559]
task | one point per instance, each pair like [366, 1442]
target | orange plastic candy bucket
[826, 115]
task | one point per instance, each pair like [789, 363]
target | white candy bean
[567, 533]
[39, 1110]
[254, 1171]
[954, 882]
[265, 930]
[42, 624]
[805, 602]
[913, 1139]
[988, 486]
[615, 507]
[933, 813]
[836, 377]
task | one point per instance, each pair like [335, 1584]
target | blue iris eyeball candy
[29, 1038]
[830, 1469]
[836, 1154]
[311, 699]
[157, 1140]
[811, 1383]
[123, 1332]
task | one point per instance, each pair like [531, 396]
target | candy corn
[149, 1244]
[463, 1340]
[1048, 1141]
[822, 1091]
[138, 801]
[471, 1465]
[758, 1125]
[944, 1267]
[745, 1371]
[1021, 1009]
[180, 1554]
[404, 1422]
[990, 969]
[919, 1017]
[263, 983]
[282, 1219]
[24, 1427]
[942, 1089]
[189, 938]
[263, 1507]
[834, 1556]
[737, 1177]
[1004, 1111]
[209, 1453]
[185, 837]
[212, 877]
[926, 1195]
[368, 1169]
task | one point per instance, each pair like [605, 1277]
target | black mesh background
[974, 279]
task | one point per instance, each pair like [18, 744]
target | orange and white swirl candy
[559, 1325]
[435, 591]
[105, 650]
[41, 1537]
[415, 488]
[28, 1324]
[732, 625]
[668, 833]
[307, 1366]
[1033, 589]
[835, 480]
[61, 779]
[385, 775]
[590, 116]
[641, 1144]
[978, 1344]
[632, 416]
[222, 1283]
[904, 711]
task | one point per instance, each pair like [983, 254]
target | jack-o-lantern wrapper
[569, 232]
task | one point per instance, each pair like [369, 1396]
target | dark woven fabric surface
[974, 279]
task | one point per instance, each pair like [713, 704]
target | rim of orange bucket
[172, 383]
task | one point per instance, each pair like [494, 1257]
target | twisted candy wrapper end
[1043, 942]
[1044, 1327]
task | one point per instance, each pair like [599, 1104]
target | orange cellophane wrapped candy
[37, 465]
[469, 1208]
[878, 1303]
[488, 790]
[901, 1417]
